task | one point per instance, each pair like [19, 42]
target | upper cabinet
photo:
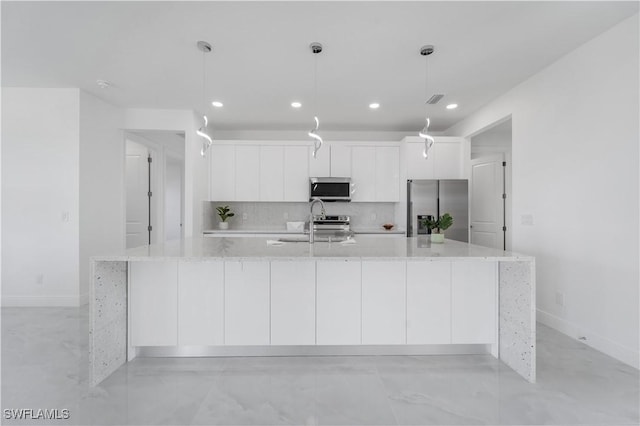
[267, 171]
[448, 158]
[374, 170]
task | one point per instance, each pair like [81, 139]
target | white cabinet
[448, 158]
[428, 302]
[417, 166]
[374, 171]
[222, 172]
[293, 303]
[246, 296]
[247, 173]
[321, 165]
[338, 301]
[340, 160]
[296, 173]
[363, 173]
[271, 182]
[473, 302]
[153, 290]
[383, 302]
[387, 175]
[200, 303]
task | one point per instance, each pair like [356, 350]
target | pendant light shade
[203, 131]
[424, 133]
[317, 139]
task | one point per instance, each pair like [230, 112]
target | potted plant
[443, 223]
[225, 213]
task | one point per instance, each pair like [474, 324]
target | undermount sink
[322, 239]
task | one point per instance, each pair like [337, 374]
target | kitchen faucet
[322, 213]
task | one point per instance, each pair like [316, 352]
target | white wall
[40, 196]
[575, 170]
[101, 182]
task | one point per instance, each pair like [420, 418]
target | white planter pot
[437, 238]
[223, 225]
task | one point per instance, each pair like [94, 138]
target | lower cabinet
[338, 301]
[473, 302]
[246, 301]
[153, 308]
[200, 303]
[293, 303]
[383, 302]
[312, 302]
[428, 302]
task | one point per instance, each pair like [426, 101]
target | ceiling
[262, 62]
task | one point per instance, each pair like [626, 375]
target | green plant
[225, 212]
[441, 224]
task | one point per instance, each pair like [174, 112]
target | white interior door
[487, 215]
[137, 182]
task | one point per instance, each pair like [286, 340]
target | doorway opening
[490, 188]
[154, 186]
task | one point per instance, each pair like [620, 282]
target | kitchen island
[255, 296]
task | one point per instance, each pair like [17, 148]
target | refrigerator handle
[409, 210]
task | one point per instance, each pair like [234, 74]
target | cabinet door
[246, 296]
[271, 173]
[428, 302]
[338, 298]
[296, 173]
[473, 302]
[247, 177]
[417, 166]
[222, 173]
[293, 303]
[200, 303]
[387, 181]
[448, 160]
[383, 302]
[321, 165]
[154, 308]
[340, 161]
[363, 173]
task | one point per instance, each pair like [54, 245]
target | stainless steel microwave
[330, 188]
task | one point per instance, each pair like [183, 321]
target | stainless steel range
[330, 225]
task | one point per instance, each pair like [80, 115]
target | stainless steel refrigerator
[435, 198]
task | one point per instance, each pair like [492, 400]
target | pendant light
[203, 131]
[317, 140]
[424, 133]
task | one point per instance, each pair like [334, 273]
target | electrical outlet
[526, 219]
[40, 279]
[244, 216]
[373, 216]
[65, 216]
[560, 299]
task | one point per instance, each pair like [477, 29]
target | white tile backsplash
[261, 215]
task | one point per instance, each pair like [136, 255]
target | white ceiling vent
[434, 99]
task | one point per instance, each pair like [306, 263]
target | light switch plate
[526, 219]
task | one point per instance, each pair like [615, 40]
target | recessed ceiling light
[296, 104]
[374, 105]
[217, 104]
[452, 106]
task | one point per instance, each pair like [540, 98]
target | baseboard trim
[39, 301]
[594, 340]
[84, 299]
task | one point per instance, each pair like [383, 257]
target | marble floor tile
[45, 365]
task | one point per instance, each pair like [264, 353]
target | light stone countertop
[356, 230]
[366, 247]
